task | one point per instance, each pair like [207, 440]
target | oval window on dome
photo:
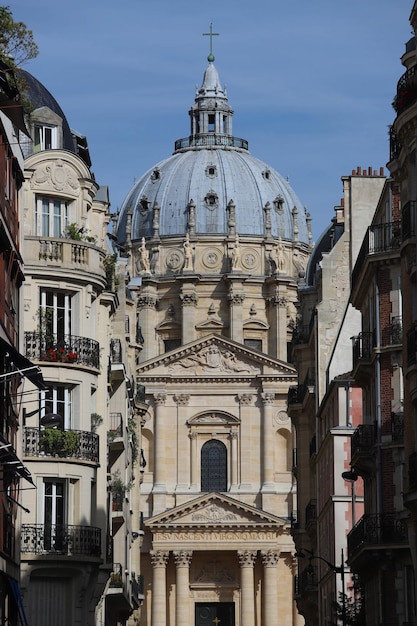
[211, 200]
[211, 171]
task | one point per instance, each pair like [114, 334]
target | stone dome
[210, 180]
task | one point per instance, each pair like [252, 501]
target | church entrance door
[215, 614]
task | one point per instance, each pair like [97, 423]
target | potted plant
[58, 442]
[118, 491]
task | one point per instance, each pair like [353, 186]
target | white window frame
[59, 400]
[45, 137]
[60, 306]
[51, 217]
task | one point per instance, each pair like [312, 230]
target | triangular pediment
[214, 510]
[215, 356]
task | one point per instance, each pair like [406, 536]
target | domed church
[217, 243]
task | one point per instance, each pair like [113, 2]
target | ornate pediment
[215, 511]
[214, 356]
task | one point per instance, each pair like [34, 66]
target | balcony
[406, 91]
[362, 444]
[297, 393]
[410, 494]
[74, 444]
[381, 531]
[397, 427]
[205, 140]
[62, 349]
[395, 146]
[306, 581]
[61, 540]
[363, 349]
[380, 239]
[311, 515]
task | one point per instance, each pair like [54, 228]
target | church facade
[217, 243]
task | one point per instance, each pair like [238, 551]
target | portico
[217, 559]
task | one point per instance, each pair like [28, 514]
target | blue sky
[311, 83]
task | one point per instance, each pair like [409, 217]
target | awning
[19, 602]
[23, 365]
[11, 461]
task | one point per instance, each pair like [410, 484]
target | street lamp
[351, 476]
[336, 569]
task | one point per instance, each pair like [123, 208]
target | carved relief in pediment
[212, 360]
[55, 175]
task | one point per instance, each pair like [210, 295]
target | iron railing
[363, 345]
[116, 424]
[406, 91]
[397, 427]
[412, 346]
[377, 530]
[61, 539]
[60, 349]
[116, 351]
[86, 445]
[210, 139]
[363, 439]
[412, 471]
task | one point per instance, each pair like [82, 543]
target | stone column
[182, 600]
[236, 319]
[194, 460]
[189, 304]
[159, 561]
[159, 442]
[234, 459]
[247, 560]
[246, 418]
[267, 442]
[147, 319]
[270, 590]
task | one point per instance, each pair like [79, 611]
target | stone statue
[236, 254]
[188, 255]
[144, 258]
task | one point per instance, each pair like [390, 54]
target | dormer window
[211, 171]
[45, 137]
[211, 200]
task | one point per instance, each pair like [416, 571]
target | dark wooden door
[215, 614]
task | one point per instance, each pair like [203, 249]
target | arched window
[213, 466]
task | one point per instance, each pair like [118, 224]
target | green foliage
[109, 263]
[131, 426]
[96, 421]
[59, 442]
[118, 488]
[354, 608]
[17, 44]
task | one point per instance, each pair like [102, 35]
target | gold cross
[217, 621]
[211, 35]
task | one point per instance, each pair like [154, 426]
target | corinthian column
[246, 561]
[270, 605]
[147, 303]
[182, 601]
[159, 609]
[268, 442]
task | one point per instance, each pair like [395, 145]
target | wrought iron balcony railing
[363, 345]
[395, 146]
[54, 348]
[363, 439]
[116, 424]
[412, 471]
[406, 91]
[210, 139]
[61, 539]
[311, 512]
[397, 427]
[80, 444]
[377, 530]
[379, 239]
[306, 581]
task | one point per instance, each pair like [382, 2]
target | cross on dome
[210, 57]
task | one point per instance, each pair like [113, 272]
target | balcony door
[54, 515]
[56, 313]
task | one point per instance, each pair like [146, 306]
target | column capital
[245, 398]
[270, 558]
[235, 298]
[160, 398]
[182, 399]
[189, 299]
[183, 557]
[267, 397]
[147, 302]
[159, 558]
[246, 558]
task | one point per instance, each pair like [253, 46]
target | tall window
[214, 466]
[45, 137]
[54, 513]
[51, 217]
[55, 313]
[58, 399]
